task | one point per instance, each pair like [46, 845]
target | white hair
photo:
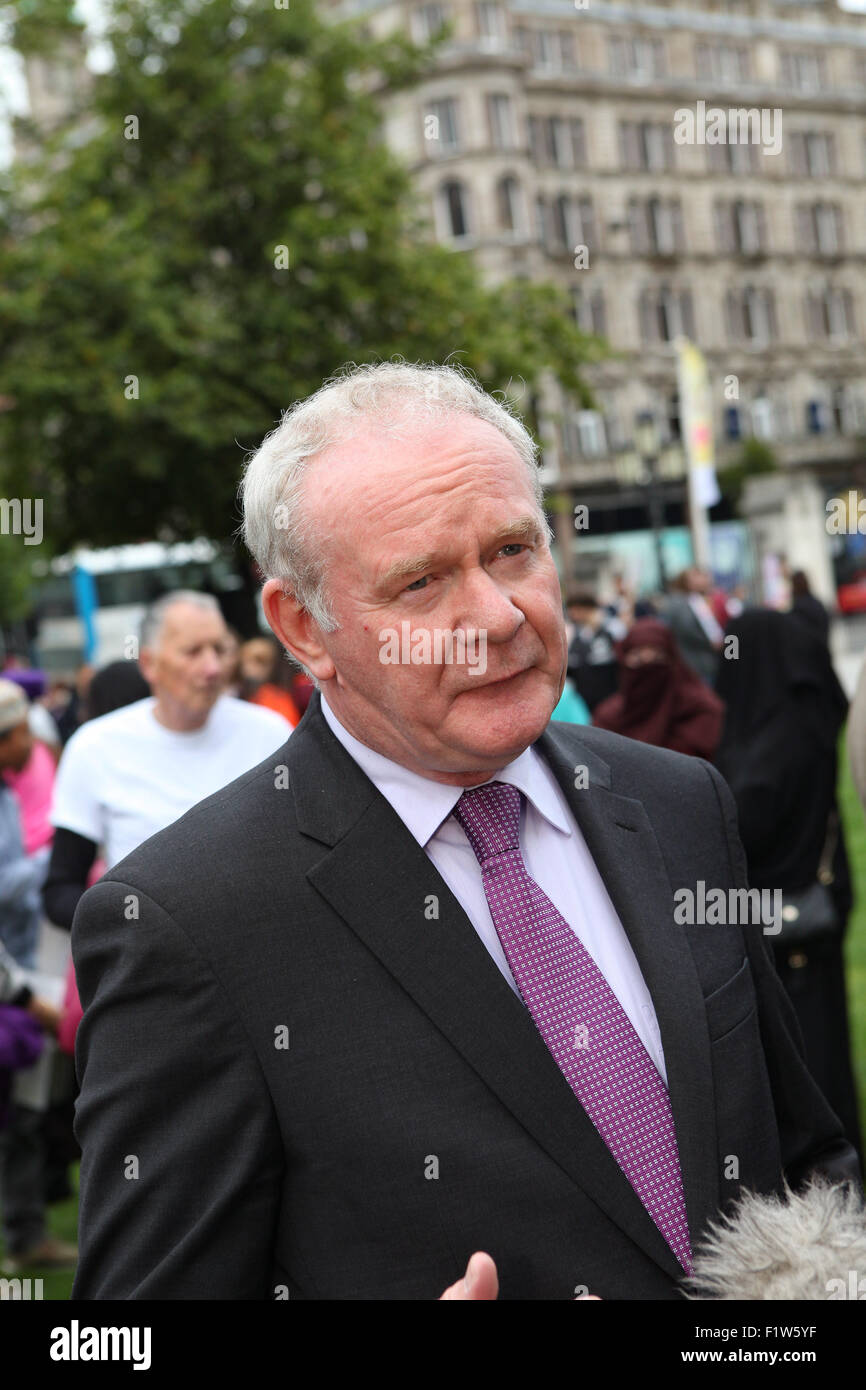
[395, 394]
[154, 618]
[798, 1246]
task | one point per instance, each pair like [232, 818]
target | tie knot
[490, 815]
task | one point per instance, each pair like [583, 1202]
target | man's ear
[146, 664]
[300, 634]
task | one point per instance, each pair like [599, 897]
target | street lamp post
[647, 442]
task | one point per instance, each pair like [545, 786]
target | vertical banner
[696, 425]
[86, 604]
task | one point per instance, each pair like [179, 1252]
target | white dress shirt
[555, 854]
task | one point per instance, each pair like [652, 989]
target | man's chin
[206, 701]
[505, 721]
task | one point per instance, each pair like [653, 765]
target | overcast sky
[13, 94]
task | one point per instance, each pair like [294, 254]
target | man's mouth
[500, 680]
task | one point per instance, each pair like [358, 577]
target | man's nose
[484, 606]
[213, 664]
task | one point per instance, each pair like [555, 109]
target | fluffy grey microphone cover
[799, 1246]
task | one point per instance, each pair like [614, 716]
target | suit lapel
[379, 880]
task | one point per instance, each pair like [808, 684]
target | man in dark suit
[693, 622]
[415, 987]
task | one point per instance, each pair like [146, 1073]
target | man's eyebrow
[525, 528]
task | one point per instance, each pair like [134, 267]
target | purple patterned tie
[578, 1015]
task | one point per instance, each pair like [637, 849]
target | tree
[755, 457]
[217, 233]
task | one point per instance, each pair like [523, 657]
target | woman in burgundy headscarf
[661, 700]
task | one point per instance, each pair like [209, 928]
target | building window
[830, 314]
[427, 20]
[759, 314]
[545, 48]
[828, 228]
[500, 115]
[733, 159]
[645, 145]
[741, 227]
[537, 140]
[751, 315]
[836, 314]
[665, 226]
[817, 417]
[655, 227]
[441, 126]
[553, 50]
[812, 154]
[590, 434]
[558, 140]
[763, 423]
[849, 409]
[578, 143]
[639, 57]
[804, 72]
[673, 422]
[666, 314]
[567, 54]
[508, 205]
[541, 221]
[749, 227]
[455, 209]
[588, 309]
[573, 222]
[819, 228]
[490, 22]
[722, 63]
[732, 423]
[638, 227]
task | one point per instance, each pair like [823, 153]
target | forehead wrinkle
[436, 477]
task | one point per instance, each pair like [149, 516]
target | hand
[45, 1013]
[479, 1281]
[482, 1282]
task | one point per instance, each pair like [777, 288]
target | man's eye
[513, 545]
[416, 583]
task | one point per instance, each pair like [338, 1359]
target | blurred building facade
[544, 141]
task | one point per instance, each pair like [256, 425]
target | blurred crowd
[752, 690]
[91, 767]
[88, 770]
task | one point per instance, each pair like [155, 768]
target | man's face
[439, 530]
[186, 666]
[16, 747]
[584, 617]
[256, 661]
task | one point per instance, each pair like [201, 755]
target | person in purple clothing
[21, 1044]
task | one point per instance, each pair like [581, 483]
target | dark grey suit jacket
[694, 644]
[219, 1163]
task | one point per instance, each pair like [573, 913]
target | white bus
[90, 602]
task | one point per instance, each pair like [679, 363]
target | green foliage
[16, 578]
[35, 26]
[754, 457]
[157, 258]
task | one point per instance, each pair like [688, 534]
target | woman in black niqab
[778, 752]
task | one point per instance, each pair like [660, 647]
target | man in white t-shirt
[130, 773]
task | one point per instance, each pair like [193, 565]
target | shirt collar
[423, 804]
